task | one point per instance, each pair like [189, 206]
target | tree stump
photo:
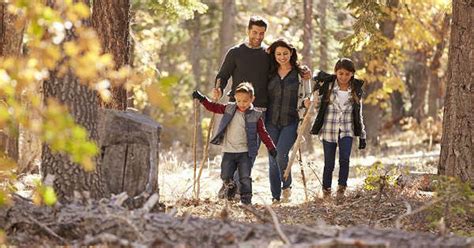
[129, 144]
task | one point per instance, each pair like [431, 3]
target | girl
[286, 95]
[339, 119]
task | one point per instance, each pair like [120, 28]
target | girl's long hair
[293, 59]
[346, 64]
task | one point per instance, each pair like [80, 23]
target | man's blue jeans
[284, 138]
[240, 163]
[329, 148]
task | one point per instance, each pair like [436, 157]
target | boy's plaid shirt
[339, 118]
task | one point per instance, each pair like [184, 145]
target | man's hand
[216, 93]
[197, 95]
[306, 72]
[362, 144]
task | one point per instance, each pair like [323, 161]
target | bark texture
[457, 152]
[11, 36]
[111, 20]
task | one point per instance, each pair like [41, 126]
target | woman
[288, 96]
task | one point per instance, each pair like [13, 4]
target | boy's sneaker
[230, 190]
[286, 194]
[246, 199]
[275, 201]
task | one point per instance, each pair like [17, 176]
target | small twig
[255, 213]
[150, 203]
[409, 212]
[384, 219]
[277, 225]
[128, 222]
[47, 229]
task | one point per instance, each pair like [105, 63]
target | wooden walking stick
[301, 130]
[195, 109]
[205, 152]
[300, 159]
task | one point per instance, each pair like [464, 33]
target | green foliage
[44, 194]
[377, 177]
[456, 201]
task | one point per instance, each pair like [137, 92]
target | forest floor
[405, 153]
[389, 217]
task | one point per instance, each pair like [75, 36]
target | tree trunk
[434, 93]
[11, 38]
[419, 85]
[195, 26]
[457, 153]
[227, 27]
[323, 47]
[82, 104]
[398, 111]
[373, 113]
[307, 55]
[111, 20]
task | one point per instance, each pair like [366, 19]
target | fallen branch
[409, 212]
[282, 235]
[47, 229]
[255, 212]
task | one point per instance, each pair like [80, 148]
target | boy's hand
[198, 95]
[273, 153]
[362, 144]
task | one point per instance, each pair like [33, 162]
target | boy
[237, 132]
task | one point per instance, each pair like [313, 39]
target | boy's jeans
[284, 138]
[329, 148]
[242, 163]
[259, 141]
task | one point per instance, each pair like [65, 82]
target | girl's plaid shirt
[338, 119]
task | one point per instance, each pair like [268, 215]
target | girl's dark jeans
[345, 145]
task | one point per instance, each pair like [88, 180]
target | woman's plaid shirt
[339, 119]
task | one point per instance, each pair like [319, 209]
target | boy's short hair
[257, 21]
[245, 87]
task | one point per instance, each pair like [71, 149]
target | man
[247, 62]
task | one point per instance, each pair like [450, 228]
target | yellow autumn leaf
[81, 10]
[158, 98]
[71, 49]
[49, 196]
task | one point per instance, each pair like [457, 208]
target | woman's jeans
[345, 145]
[284, 138]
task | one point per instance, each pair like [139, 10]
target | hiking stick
[300, 159]
[205, 153]
[301, 129]
[195, 109]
